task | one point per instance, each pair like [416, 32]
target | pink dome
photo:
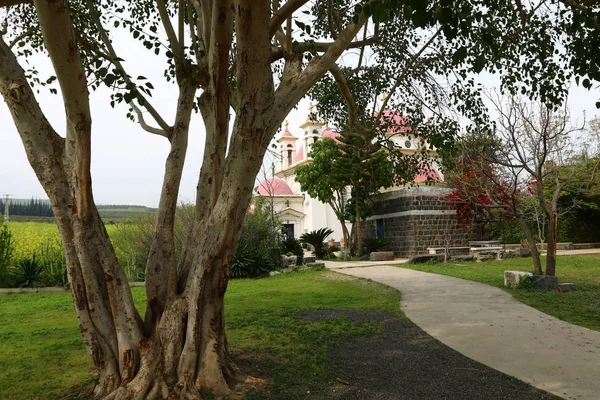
[287, 134]
[427, 173]
[395, 122]
[274, 187]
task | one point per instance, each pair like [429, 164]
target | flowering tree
[482, 188]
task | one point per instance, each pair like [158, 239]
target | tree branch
[283, 13]
[410, 63]
[322, 47]
[176, 48]
[144, 125]
[294, 85]
[23, 35]
[342, 83]
[114, 59]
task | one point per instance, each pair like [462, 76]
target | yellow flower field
[29, 236]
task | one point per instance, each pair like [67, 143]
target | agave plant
[249, 262]
[28, 272]
[374, 244]
[316, 239]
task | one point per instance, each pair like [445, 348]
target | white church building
[299, 212]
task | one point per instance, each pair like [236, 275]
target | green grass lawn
[581, 307]
[42, 354]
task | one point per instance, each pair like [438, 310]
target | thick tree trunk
[180, 349]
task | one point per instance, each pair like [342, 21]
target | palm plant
[316, 239]
[28, 272]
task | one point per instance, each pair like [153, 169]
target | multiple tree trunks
[179, 347]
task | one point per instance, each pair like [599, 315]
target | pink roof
[395, 122]
[274, 187]
[328, 133]
[425, 173]
[299, 155]
[287, 134]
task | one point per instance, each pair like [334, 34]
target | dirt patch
[404, 362]
[334, 276]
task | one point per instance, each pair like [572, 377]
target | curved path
[488, 325]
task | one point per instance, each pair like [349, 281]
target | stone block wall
[414, 219]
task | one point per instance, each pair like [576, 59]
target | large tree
[534, 141]
[351, 165]
[483, 190]
[247, 60]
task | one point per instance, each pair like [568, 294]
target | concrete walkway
[486, 324]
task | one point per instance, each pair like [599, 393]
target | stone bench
[512, 278]
[481, 252]
[451, 250]
[381, 256]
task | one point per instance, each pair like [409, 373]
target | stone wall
[414, 219]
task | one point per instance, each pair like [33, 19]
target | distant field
[29, 236]
[111, 213]
[119, 213]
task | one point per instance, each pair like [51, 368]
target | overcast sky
[127, 162]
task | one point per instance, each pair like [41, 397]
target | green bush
[505, 231]
[52, 258]
[6, 250]
[132, 240]
[28, 272]
[328, 252]
[316, 239]
[526, 283]
[292, 245]
[260, 234]
[374, 244]
[250, 262]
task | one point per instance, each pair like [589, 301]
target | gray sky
[127, 162]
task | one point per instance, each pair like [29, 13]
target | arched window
[289, 156]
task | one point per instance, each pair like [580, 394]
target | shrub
[374, 244]
[316, 239]
[526, 283]
[328, 252]
[54, 264]
[28, 272]
[6, 250]
[292, 245]
[250, 262]
[260, 235]
[132, 240]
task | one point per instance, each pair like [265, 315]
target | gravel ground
[404, 362]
